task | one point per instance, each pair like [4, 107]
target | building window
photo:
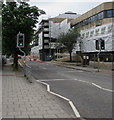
[46, 46]
[97, 32]
[83, 35]
[85, 22]
[100, 15]
[46, 41]
[91, 33]
[87, 34]
[94, 18]
[110, 28]
[103, 30]
[89, 20]
[112, 13]
[109, 13]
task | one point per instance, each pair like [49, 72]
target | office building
[95, 25]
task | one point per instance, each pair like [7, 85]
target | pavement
[83, 68]
[22, 99]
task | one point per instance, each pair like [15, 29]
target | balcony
[46, 24]
[46, 35]
[46, 29]
[46, 46]
[46, 41]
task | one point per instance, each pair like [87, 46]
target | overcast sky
[55, 7]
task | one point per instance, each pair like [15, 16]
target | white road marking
[80, 71]
[95, 85]
[102, 87]
[72, 71]
[70, 102]
[82, 81]
[53, 80]
[69, 71]
[74, 109]
[44, 68]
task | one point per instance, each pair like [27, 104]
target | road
[89, 91]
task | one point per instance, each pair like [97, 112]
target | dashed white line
[95, 85]
[83, 82]
[102, 87]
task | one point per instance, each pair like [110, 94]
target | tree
[18, 17]
[69, 40]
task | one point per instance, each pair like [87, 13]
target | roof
[57, 20]
[68, 15]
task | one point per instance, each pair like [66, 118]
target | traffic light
[20, 40]
[102, 44]
[97, 44]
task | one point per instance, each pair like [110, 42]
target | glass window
[96, 17]
[109, 13]
[101, 15]
[89, 19]
[87, 34]
[82, 22]
[103, 30]
[91, 33]
[110, 28]
[85, 21]
[97, 32]
[112, 13]
[93, 18]
[83, 35]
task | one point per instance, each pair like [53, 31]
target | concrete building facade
[48, 32]
[96, 24]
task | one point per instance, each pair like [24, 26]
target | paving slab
[21, 99]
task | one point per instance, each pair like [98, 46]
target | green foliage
[69, 39]
[18, 18]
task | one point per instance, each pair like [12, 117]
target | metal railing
[28, 72]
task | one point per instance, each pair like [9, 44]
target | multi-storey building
[96, 24]
[48, 32]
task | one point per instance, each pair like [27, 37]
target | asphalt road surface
[91, 92]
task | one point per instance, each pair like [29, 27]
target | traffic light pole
[22, 52]
[24, 60]
[98, 55]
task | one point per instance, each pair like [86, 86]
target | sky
[55, 7]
